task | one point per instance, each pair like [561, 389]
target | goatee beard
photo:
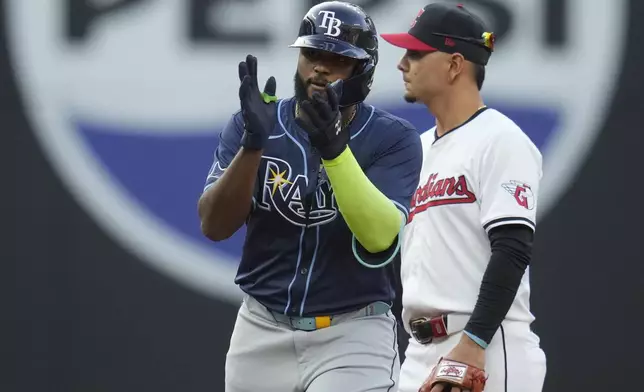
[409, 99]
[301, 93]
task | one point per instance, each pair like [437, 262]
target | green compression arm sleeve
[372, 218]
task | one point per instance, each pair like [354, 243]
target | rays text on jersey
[439, 192]
[286, 193]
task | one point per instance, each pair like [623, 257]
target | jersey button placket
[309, 197]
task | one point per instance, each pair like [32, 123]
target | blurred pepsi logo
[127, 98]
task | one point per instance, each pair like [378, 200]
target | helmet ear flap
[357, 87]
[360, 67]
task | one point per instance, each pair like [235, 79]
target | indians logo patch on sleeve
[522, 193]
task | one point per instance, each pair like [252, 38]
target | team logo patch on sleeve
[522, 193]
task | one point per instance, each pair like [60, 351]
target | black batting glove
[324, 125]
[258, 109]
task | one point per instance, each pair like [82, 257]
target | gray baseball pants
[358, 354]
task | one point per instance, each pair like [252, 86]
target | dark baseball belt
[425, 329]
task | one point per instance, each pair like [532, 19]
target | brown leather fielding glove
[457, 374]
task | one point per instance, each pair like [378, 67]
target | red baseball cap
[447, 27]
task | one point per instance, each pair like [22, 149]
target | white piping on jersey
[308, 278]
[402, 208]
[297, 268]
[306, 171]
[373, 109]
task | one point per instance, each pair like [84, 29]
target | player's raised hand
[324, 124]
[258, 108]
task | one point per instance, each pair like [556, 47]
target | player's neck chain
[344, 124]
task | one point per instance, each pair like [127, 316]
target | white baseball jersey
[478, 176]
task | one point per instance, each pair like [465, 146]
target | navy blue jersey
[299, 256]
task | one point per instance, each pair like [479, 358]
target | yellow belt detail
[322, 321]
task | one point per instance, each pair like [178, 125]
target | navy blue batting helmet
[344, 29]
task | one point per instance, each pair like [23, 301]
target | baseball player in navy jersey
[323, 182]
[468, 244]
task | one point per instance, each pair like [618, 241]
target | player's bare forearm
[224, 207]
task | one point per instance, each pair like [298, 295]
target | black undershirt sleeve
[511, 254]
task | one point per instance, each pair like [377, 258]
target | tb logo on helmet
[330, 23]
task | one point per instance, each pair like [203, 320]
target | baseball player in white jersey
[468, 243]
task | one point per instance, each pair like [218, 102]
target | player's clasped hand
[324, 124]
[258, 109]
